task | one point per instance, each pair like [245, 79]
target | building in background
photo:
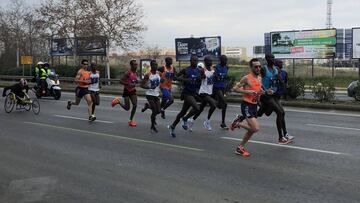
[235, 52]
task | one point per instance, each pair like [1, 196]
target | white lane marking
[117, 137]
[82, 119]
[334, 127]
[287, 146]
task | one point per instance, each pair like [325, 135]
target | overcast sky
[238, 22]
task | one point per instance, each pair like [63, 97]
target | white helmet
[40, 63]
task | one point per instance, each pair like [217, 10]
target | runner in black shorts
[94, 86]
[191, 78]
[251, 88]
[151, 83]
[129, 80]
[83, 80]
[221, 76]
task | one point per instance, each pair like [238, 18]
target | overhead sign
[26, 60]
[62, 47]
[201, 47]
[356, 43]
[319, 44]
[91, 46]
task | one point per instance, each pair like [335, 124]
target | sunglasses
[257, 66]
[85, 64]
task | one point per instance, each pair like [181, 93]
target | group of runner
[88, 80]
[203, 84]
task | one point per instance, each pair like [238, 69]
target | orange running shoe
[115, 101]
[132, 123]
[241, 151]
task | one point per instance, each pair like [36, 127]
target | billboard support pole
[359, 68]
[333, 68]
[312, 68]
[23, 69]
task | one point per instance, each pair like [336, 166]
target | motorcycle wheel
[57, 94]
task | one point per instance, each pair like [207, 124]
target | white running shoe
[289, 137]
[190, 123]
[207, 125]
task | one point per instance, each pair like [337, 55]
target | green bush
[295, 88]
[323, 90]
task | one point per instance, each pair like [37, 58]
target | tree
[120, 21]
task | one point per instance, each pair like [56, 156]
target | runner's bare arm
[239, 87]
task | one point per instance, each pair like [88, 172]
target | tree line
[27, 29]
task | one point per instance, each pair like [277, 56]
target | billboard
[62, 47]
[319, 44]
[91, 46]
[356, 43]
[145, 67]
[201, 47]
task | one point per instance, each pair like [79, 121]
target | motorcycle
[52, 88]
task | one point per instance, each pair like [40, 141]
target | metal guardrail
[62, 79]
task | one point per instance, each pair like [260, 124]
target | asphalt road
[58, 157]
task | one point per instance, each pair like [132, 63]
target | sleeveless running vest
[207, 83]
[191, 86]
[84, 75]
[153, 83]
[132, 79]
[95, 80]
[168, 76]
[253, 84]
[222, 73]
[270, 80]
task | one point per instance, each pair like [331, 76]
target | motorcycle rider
[43, 75]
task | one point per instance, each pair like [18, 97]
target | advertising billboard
[145, 67]
[356, 43]
[318, 44]
[61, 47]
[91, 46]
[201, 47]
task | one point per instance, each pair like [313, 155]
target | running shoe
[241, 151]
[289, 137]
[238, 119]
[92, 118]
[172, 130]
[68, 105]
[224, 127]
[132, 123]
[190, 123]
[284, 141]
[207, 125]
[146, 106]
[115, 101]
[184, 124]
[162, 111]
